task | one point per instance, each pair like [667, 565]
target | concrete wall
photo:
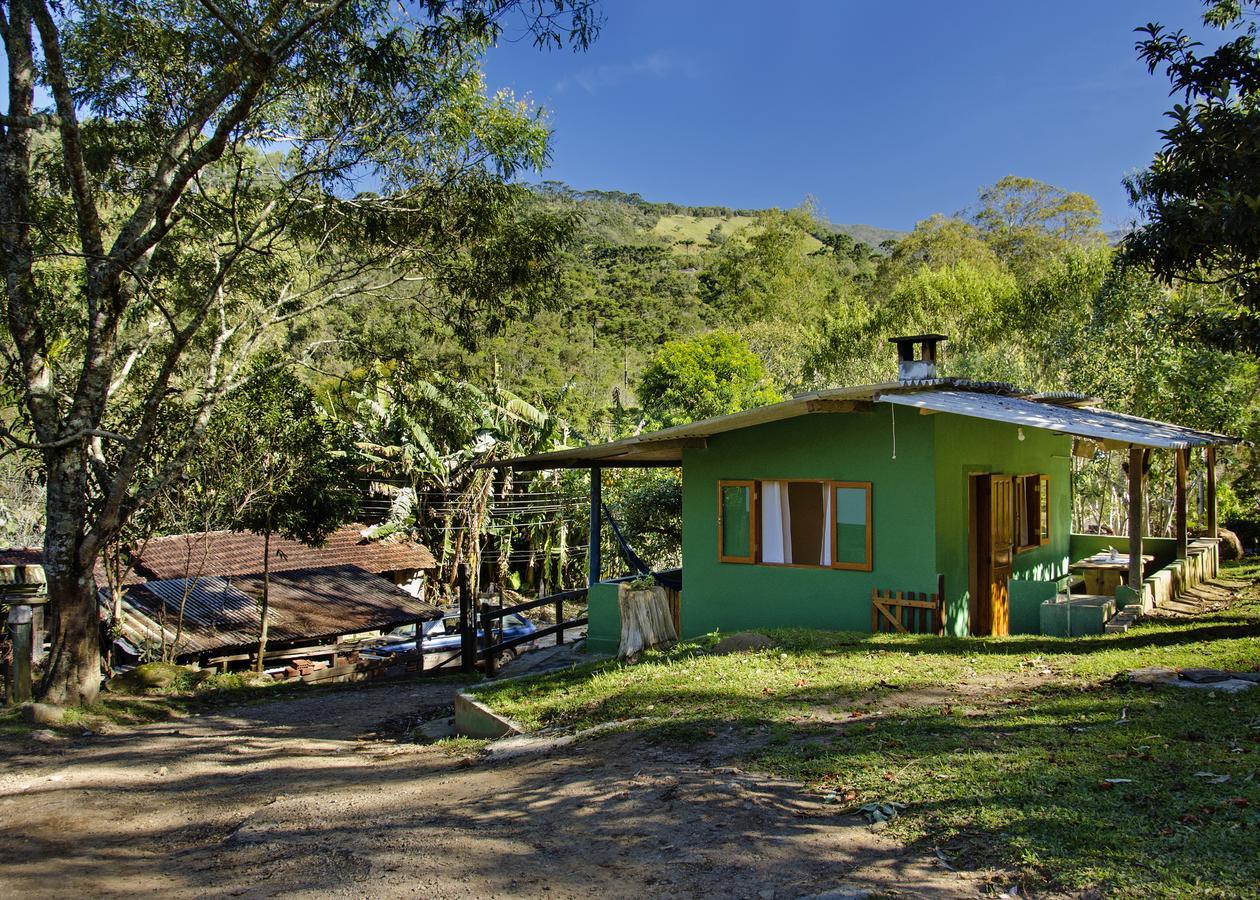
[839, 446]
[965, 447]
[1201, 564]
[1163, 549]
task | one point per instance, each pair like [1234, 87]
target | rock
[743, 642]
[1205, 676]
[1152, 675]
[1231, 545]
[44, 736]
[43, 714]
[153, 676]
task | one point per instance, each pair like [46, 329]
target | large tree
[706, 376]
[1200, 197]
[198, 183]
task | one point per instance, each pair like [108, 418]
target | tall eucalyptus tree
[181, 180]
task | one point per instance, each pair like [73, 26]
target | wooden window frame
[753, 549]
[1043, 488]
[1026, 520]
[869, 564]
[754, 514]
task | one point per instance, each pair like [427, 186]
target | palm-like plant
[431, 437]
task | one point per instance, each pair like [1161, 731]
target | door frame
[979, 552]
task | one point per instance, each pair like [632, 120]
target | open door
[991, 530]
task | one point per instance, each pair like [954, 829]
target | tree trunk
[266, 600]
[73, 673]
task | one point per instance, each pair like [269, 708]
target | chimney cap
[916, 338]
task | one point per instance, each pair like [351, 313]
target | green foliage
[1200, 197]
[292, 466]
[708, 376]
[648, 507]
[1025, 221]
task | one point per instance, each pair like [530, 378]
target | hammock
[633, 561]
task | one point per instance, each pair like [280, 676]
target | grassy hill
[691, 233]
[625, 217]
[869, 234]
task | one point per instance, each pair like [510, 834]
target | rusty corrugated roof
[221, 613]
[225, 553]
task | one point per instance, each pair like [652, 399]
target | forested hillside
[1024, 283]
[663, 313]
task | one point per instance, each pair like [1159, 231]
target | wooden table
[1104, 573]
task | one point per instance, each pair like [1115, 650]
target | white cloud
[657, 65]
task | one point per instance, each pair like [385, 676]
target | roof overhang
[665, 448]
[1061, 412]
[1112, 430]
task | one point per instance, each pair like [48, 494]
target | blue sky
[883, 112]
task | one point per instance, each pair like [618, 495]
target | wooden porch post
[593, 560]
[1136, 526]
[1183, 462]
[1210, 500]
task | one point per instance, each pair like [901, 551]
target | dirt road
[288, 798]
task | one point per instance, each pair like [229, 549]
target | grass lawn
[1001, 749]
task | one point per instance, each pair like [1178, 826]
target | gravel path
[310, 797]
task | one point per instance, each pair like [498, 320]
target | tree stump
[645, 621]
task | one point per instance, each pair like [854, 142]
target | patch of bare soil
[316, 796]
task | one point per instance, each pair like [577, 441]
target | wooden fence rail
[907, 612]
[484, 647]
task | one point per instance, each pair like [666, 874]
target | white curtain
[825, 556]
[776, 523]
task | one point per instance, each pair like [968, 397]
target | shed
[220, 614]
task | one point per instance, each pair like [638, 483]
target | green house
[924, 504]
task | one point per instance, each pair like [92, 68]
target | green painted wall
[603, 632]
[965, 446]
[840, 446]
[920, 512]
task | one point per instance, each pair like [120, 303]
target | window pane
[808, 521]
[851, 525]
[736, 510]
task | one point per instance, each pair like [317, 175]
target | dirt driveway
[287, 798]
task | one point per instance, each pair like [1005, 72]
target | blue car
[441, 637]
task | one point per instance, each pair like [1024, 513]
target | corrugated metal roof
[240, 553]
[1099, 424]
[306, 604]
[1056, 411]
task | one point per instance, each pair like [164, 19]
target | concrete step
[1120, 622]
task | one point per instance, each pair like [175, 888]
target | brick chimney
[922, 368]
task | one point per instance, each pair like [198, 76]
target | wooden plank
[534, 635]
[1182, 464]
[467, 626]
[1209, 501]
[575, 594]
[874, 610]
[838, 406]
[1136, 526]
[888, 615]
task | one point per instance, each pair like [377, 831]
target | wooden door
[990, 531]
[1001, 551]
